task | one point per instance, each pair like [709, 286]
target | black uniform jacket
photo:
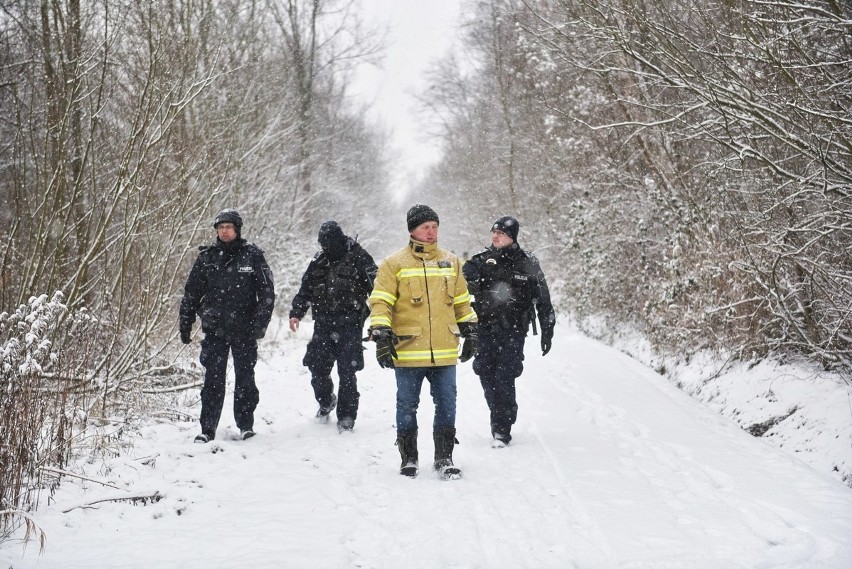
[337, 291]
[506, 284]
[230, 287]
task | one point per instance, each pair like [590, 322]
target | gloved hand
[468, 328]
[185, 335]
[384, 338]
[468, 331]
[469, 347]
[259, 333]
[546, 340]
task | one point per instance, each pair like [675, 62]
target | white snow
[611, 467]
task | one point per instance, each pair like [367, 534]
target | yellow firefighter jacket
[420, 292]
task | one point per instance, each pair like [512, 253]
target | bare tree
[126, 125]
[698, 155]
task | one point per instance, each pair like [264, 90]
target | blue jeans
[442, 387]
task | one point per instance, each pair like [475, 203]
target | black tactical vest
[334, 285]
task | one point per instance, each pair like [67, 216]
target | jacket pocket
[210, 320]
[415, 291]
[449, 288]
[408, 332]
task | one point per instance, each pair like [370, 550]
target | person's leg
[442, 387]
[214, 359]
[509, 366]
[485, 366]
[350, 359]
[246, 395]
[319, 359]
[408, 384]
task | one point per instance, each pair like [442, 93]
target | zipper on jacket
[428, 310]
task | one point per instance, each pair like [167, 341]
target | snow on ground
[612, 467]
[795, 404]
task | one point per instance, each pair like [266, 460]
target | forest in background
[126, 125]
[685, 166]
[682, 168]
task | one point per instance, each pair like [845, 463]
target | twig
[147, 459]
[155, 497]
[66, 473]
[183, 387]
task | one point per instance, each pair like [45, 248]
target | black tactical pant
[214, 358]
[340, 344]
[499, 361]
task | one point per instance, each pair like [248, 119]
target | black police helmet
[229, 216]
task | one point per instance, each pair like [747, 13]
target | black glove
[259, 333]
[185, 336]
[469, 347]
[384, 338]
[471, 339]
[546, 340]
[467, 328]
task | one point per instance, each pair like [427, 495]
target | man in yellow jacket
[419, 308]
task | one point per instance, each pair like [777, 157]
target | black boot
[407, 445]
[445, 440]
[325, 410]
[501, 434]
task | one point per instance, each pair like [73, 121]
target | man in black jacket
[508, 285]
[230, 287]
[335, 287]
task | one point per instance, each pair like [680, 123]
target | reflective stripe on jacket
[421, 293]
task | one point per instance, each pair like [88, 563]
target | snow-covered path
[611, 467]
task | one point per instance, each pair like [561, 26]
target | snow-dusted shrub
[676, 165]
[36, 410]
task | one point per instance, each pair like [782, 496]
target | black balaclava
[332, 240]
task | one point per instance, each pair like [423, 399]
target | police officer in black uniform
[230, 287]
[508, 286]
[335, 287]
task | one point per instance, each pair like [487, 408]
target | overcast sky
[418, 33]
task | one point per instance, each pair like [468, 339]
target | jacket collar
[423, 250]
[513, 251]
[229, 248]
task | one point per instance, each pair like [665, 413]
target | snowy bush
[34, 425]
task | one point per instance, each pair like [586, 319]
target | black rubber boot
[445, 441]
[407, 445]
[325, 410]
